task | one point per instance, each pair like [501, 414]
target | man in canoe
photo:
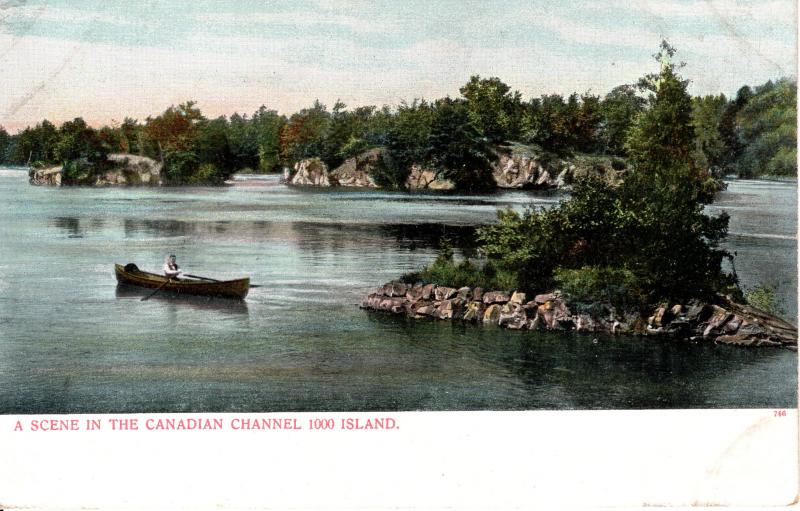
[171, 268]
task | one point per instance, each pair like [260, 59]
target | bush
[206, 174]
[618, 286]
[763, 297]
[445, 271]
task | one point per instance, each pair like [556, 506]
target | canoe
[133, 276]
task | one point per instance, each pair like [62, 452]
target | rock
[444, 293]
[473, 312]
[356, 171]
[494, 297]
[465, 293]
[427, 291]
[661, 317]
[414, 293]
[394, 289]
[544, 180]
[517, 298]
[420, 178]
[311, 172]
[751, 330]
[49, 176]
[542, 299]
[492, 314]
[427, 310]
[676, 310]
[698, 313]
[718, 318]
[732, 325]
[450, 309]
[477, 294]
[584, 323]
[512, 316]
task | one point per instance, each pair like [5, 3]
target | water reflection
[175, 300]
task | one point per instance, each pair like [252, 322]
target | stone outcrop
[122, 170]
[421, 178]
[48, 176]
[355, 171]
[523, 168]
[722, 322]
[310, 172]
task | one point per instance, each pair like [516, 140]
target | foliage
[445, 271]
[619, 108]
[617, 286]
[763, 297]
[456, 147]
[709, 148]
[303, 136]
[768, 134]
[493, 108]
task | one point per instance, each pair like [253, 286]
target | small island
[636, 256]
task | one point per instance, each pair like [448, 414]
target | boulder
[425, 311]
[544, 298]
[357, 171]
[444, 293]
[698, 312]
[394, 289]
[311, 172]
[465, 293]
[517, 297]
[512, 316]
[494, 297]
[492, 314]
[49, 176]
[427, 291]
[477, 294]
[474, 311]
[420, 178]
[585, 323]
[450, 309]
[414, 293]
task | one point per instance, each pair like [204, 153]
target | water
[70, 341]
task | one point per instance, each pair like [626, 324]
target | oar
[157, 290]
[212, 280]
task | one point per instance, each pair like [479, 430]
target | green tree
[709, 150]
[619, 108]
[456, 147]
[767, 124]
[493, 108]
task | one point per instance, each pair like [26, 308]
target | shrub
[763, 297]
[618, 286]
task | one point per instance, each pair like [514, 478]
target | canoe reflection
[225, 305]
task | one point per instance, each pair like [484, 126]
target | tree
[493, 108]
[767, 128]
[303, 136]
[457, 148]
[619, 108]
[709, 150]
[76, 141]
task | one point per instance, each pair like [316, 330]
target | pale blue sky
[106, 59]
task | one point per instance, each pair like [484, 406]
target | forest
[750, 135]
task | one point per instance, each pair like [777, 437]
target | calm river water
[71, 342]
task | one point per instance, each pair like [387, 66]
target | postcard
[375, 254]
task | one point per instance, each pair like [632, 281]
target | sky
[107, 60]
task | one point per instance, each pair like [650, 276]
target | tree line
[749, 135]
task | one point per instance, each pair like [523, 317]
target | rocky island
[122, 170]
[722, 321]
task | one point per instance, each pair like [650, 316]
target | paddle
[157, 290]
[212, 280]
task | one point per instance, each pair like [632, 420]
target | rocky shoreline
[518, 167]
[721, 322]
[124, 170]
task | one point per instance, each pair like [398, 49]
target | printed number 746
[779, 413]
